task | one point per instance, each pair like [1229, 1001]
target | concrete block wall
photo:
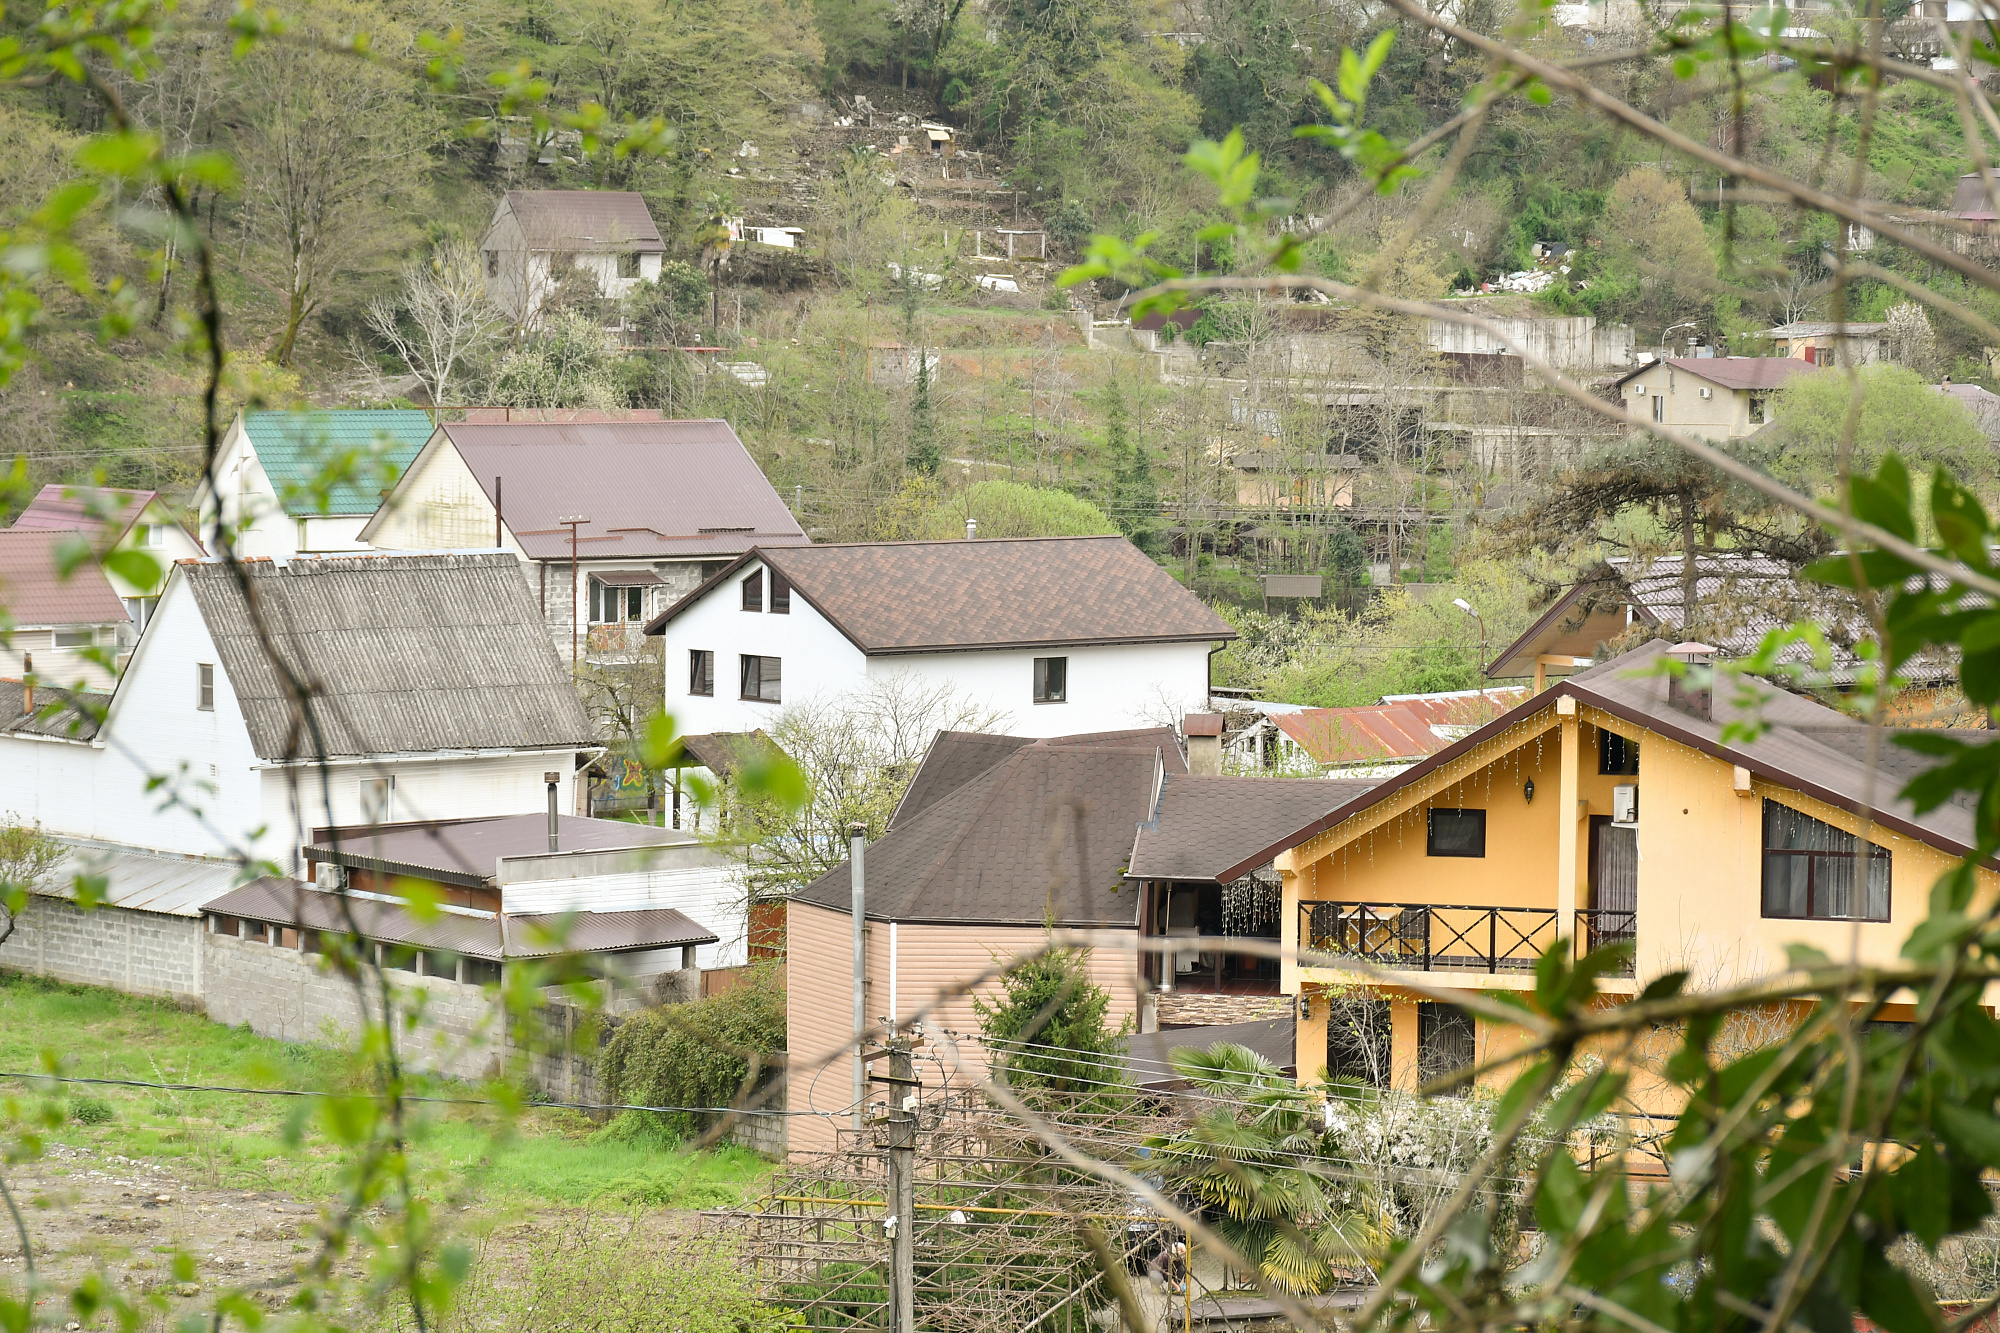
[140, 953]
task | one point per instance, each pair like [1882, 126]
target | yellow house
[1715, 397]
[1606, 808]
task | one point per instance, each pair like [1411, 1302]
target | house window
[492, 263]
[1455, 833]
[204, 689]
[218, 924]
[399, 956]
[611, 604]
[781, 594]
[151, 536]
[1756, 409]
[378, 799]
[701, 671]
[1659, 407]
[1616, 755]
[762, 678]
[1445, 1041]
[76, 638]
[1051, 680]
[481, 972]
[1358, 1037]
[1812, 869]
[440, 964]
[628, 264]
[753, 592]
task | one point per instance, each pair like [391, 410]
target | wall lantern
[1528, 791]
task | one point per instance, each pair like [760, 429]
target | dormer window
[753, 592]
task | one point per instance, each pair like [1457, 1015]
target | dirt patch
[126, 1218]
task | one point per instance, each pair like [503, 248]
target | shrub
[1050, 1025]
[1009, 509]
[88, 1110]
[699, 1054]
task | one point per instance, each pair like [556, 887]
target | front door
[1614, 882]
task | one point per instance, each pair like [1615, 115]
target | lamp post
[572, 523]
[1466, 607]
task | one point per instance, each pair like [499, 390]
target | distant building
[539, 238]
[1057, 635]
[664, 504]
[1717, 397]
[57, 621]
[305, 483]
[1825, 344]
[116, 520]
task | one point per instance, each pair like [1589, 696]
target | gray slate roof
[408, 653]
[585, 221]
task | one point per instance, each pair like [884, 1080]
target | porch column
[1568, 814]
[1403, 1061]
[1309, 1054]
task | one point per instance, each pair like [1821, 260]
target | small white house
[305, 483]
[1057, 635]
[439, 698]
[116, 520]
[538, 237]
[61, 624]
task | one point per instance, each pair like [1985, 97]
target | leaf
[137, 568]
[121, 153]
[1921, 1191]
[1891, 1299]
[1664, 986]
[1961, 520]
[1973, 1133]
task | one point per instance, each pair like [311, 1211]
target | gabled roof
[35, 591]
[1805, 746]
[1040, 836]
[100, 509]
[585, 221]
[288, 902]
[1731, 372]
[1743, 595]
[721, 751]
[294, 448]
[410, 653]
[57, 712]
[957, 757]
[649, 488]
[947, 596]
[1218, 828]
[1823, 329]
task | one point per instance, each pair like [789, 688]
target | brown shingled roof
[1731, 372]
[908, 597]
[583, 221]
[1218, 829]
[34, 591]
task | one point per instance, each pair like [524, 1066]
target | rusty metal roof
[34, 591]
[410, 653]
[911, 597]
[465, 851]
[649, 488]
[585, 221]
[288, 902]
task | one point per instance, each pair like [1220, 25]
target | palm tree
[1256, 1164]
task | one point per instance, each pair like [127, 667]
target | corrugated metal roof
[409, 653]
[1402, 727]
[35, 591]
[290, 903]
[585, 221]
[469, 848]
[649, 488]
[294, 448]
[900, 597]
[69, 722]
[100, 509]
[146, 881]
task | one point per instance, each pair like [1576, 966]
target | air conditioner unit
[1625, 805]
[1708, 393]
[1638, 391]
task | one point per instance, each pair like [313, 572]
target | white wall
[439, 505]
[711, 893]
[1110, 688]
[219, 793]
[66, 667]
[249, 502]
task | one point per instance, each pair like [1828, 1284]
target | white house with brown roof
[113, 520]
[58, 621]
[662, 505]
[1716, 397]
[539, 237]
[1056, 635]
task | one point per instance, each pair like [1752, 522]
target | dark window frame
[781, 594]
[753, 591]
[701, 672]
[1819, 860]
[1051, 680]
[753, 687]
[1617, 756]
[1454, 816]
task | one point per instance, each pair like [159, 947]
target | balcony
[1445, 937]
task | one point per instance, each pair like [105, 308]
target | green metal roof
[357, 449]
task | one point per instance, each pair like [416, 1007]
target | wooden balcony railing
[1432, 937]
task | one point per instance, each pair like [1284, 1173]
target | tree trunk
[1688, 579]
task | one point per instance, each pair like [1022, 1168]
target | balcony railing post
[1427, 939]
[1493, 940]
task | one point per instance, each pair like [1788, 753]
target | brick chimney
[1204, 744]
[1686, 693]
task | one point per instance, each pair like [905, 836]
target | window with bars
[701, 671]
[762, 679]
[1814, 871]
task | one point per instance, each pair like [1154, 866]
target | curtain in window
[1810, 869]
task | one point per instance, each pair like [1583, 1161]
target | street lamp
[1466, 607]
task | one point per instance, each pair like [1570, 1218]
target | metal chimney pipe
[972, 529]
[857, 841]
[552, 779]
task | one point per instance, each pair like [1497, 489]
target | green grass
[239, 1140]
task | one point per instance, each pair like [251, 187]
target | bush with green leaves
[1050, 1026]
[1009, 509]
[705, 1054]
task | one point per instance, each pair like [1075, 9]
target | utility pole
[857, 842]
[902, 1159]
[572, 523]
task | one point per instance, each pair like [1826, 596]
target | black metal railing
[1433, 937]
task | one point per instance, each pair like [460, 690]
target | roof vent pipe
[1692, 690]
[552, 779]
[972, 529]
